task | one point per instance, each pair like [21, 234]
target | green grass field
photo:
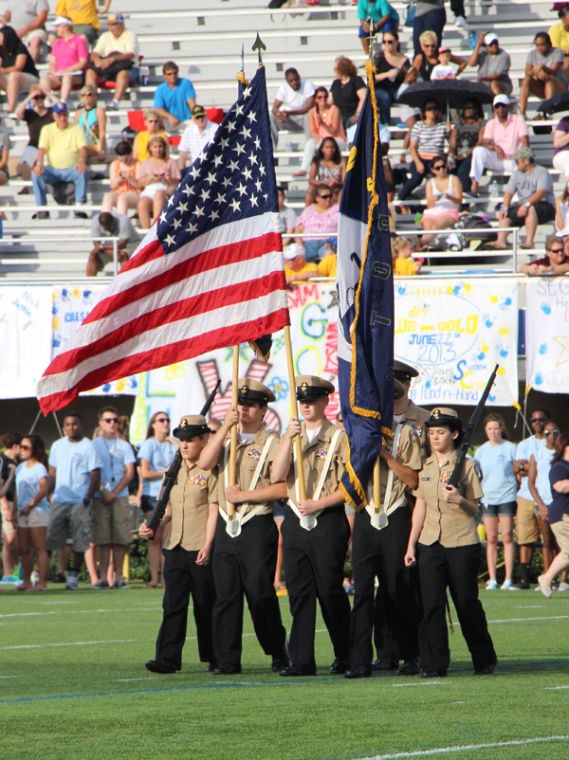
[73, 685]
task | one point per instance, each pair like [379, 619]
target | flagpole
[294, 413]
[234, 431]
[376, 486]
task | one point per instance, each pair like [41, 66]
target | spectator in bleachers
[446, 68]
[403, 262]
[107, 224]
[562, 213]
[444, 198]
[154, 127]
[36, 115]
[125, 190]
[559, 35]
[199, 133]
[93, 121]
[85, 16]
[324, 120]
[328, 264]
[390, 69]
[28, 18]
[174, 98]
[328, 167]
[493, 63]
[464, 136]
[429, 15]
[561, 145]
[554, 262]
[17, 69]
[503, 135]
[287, 216]
[157, 177]
[427, 142]
[113, 59]
[297, 268]
[544, 76]
[375, 17]
[68, 59]
[535, 200]
[348, 90]
[320, 217]
[4, 155]
[294, 99]
[62, 157]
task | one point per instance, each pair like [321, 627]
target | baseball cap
[115, 17]
[444, 49]
[59, 20]
[501, 100]
[523, 153]
[490, 38]
[198, 111]
[60, 108]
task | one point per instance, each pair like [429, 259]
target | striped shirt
[430, 139]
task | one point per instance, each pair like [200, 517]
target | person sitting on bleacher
[559, 35]
[493, 64]
[93, 121]
[17, 69]
[199, 133]
[85, 16]
[62, 157]
[36, 114]
[68, 59]
[503, 135]
[427, 142]
[4, 155]
[554, 262]
[544, 74]
[105, 225]
[113, 58]
[28, 18]
[154, 127]
[535, 204]
[125, 190]
[174, 98]
[158, 177]
[561, 145]
[293, 101]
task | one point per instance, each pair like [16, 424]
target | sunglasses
[321, 97]
[170, 73]
[38, 97]
[538, 419]
[110, 419]
[437, 167]
[429, 46]
[500, 105]
[152, 121]
[25, 446]
[547, 433]
[162, 419]
[387, 42]
[556, 250]
[325, 197]
[432, 108]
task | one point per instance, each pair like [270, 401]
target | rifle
[469, 430]
[171, 474]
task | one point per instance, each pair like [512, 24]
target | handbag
[410, 16]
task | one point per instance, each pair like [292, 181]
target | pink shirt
[325, 130]
[326, 222]
[507, 136]
[69, 52]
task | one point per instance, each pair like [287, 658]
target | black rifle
[469, 430]
[171, 474]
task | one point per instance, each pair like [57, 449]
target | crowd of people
[241, 495]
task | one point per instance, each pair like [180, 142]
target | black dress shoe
[358, 671]
[338, 667]
[433, 673]
[159, 666]
[297, 670]
[279, 663]
[409, 667]
[385, 663]
[211, 667]
[226, 670]
[487, 671]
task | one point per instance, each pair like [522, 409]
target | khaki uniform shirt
[416, 416]
[314, 457]
[447, 523]
[195, 489]
[408, 453]
[248, 454]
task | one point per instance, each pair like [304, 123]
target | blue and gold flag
[365, 296]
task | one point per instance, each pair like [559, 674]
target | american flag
[365, 299]
[209, 274]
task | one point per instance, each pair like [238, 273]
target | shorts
[151, 190]
[8, 528]
[40, 33]
[35, 519]
[527, 531]
[499, 510]
[545, 213]
[112, 522]
[65, 519]
[29, 155]
[561, 532]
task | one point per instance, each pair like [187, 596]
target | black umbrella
[557, 103]
[450, 92]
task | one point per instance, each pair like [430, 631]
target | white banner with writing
[547, 334]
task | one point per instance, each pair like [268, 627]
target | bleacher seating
[205, 38]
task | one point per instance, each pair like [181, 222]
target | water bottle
[494, 189]
[1, 228]
[144, 75]
[472, 40]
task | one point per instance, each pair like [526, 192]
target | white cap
[293, 250]
[59, 20]
[490, 38]
[501, 99]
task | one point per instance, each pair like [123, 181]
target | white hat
[293, 250]
[490, 38]
[59, 20]
[501, 99]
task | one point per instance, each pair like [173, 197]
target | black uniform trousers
[314, 569]
[245, 565]
[456, 568]
[380, 553]
[183, 577]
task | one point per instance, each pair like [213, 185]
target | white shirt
[294, 100]
[193, 141]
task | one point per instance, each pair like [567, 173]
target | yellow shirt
[142, 140]
[62, 145]
[328, 266]
[292, 274]
[559, 37]
[405, 267]
[79, 11]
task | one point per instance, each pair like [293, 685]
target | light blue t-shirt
[498, 480]
[73, 462]
[28, 483]
[115, 454]
[159, 457]
[174, 100]
[543, 457]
